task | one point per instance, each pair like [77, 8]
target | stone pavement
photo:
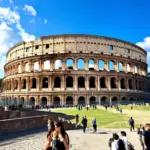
[78, 140]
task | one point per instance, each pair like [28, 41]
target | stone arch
[123, 98]
[136, 84]
[45, 82]
[57, 82]
[140, 86]
[81, 100]
[92, 82]
[81, 82]
[47, 65]
[33, 83]
[101, 64]
[103, 83]
[27, 67]
[36, 66]
[91, 64]
[114, 100]
[16, 84]
[69, 63]
[122, 83]
[44, 101]
[69, 82]
[120, 66]
[81, 64]
[22, 101]
[57, 101]
[128, 67]
[32, 101]
[113, 83]
[104, 100]
[132, 99]
[92, 100]
[130, 84]
[19, 68]
[69, 100]
[111, 65]
[135, 69]
[58, 64]
[24, 82]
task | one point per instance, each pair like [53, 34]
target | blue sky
[29, 19]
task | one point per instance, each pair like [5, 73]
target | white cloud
[32, 21]
[45, 21]
[58, 64]
[8, 37]
[2, 63]
[148, 60]
[145, 44]
[30, 10]
[11, 1]
[91, 65]
[9, 16]
[24, 35]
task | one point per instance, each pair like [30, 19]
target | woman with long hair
[62, 137]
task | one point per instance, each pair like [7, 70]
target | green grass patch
[128, 107]
[105, 118]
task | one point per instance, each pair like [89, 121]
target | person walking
[139, 132]
[124, 139]
[94, 124]
[131, 123]
[77, 119]
[146, 137]
[50, 124]
[84, 123]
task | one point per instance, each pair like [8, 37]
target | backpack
[121, 145]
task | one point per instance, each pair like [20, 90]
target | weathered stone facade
[38, 72]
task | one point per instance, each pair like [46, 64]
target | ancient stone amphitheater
[75, 69]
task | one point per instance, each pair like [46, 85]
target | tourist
[77, 119]
[124, 139]
[60, 138]
[146, 137]
[50, 124]
[49, 138]
[131, 123]
[121, 110]
[139, 132]
[84, 123]
[116, 143]
[94, 124]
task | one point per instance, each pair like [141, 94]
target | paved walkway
[78, 140]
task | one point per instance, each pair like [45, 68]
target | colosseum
[75, 69]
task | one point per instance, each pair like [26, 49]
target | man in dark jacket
[131, 123]
[84, 123]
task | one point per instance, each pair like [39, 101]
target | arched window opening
[111, 65]
[123, 98]
[69, 82]
[140, 86]
[81, 82]
[80, 64]
[120, 66]
[92, 100]
[57, 101]
[91, 64]
[36, 66]
[69, 64]
[130, 84]
[57, 82]
[81, 100]
[16, 85]
[22, 101]
[122, 83]
[33, 83]
[32, 101]
[131, 99]
[92, 82]
[113, 83]
[47, 65]
[19, 68]
[135, 69]
[58, 64]
[69, 100]
[103, 100]
[45, 82]
[136, 84]
[101, 64]
[44, 101]
[103, 82]
[128, 68]
[24, 84]
[114, 100]
[27, 67]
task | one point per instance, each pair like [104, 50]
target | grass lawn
[111, 118]
[105, 119]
